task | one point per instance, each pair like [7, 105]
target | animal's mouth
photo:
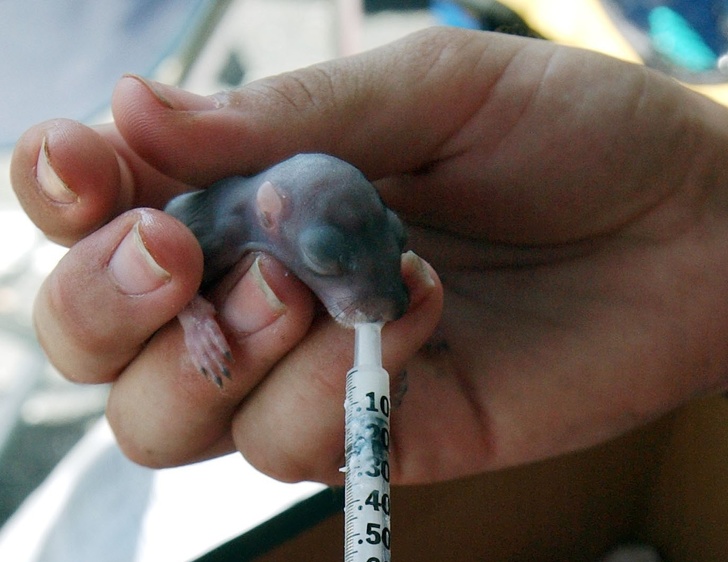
[371, 309]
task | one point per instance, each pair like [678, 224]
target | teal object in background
[674, 38]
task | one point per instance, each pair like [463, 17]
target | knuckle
[311, 89]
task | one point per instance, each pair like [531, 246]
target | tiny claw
[217, 380]
[207, 347]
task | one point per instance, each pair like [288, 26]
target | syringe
[367, 535]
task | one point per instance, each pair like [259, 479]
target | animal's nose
[387, 307]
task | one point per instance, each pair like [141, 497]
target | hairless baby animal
[316, 214]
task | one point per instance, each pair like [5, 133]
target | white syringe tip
[368, 344]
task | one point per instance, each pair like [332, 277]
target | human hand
[571, 204]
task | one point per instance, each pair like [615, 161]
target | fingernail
[252, 305]
[50, 182]
[175, 98]
[419, 268]
[418, 277]
[133, 268]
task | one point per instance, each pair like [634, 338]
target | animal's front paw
[206, 344]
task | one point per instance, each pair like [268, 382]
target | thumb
[385, 111]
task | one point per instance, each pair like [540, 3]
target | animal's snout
[379, 308]
[386, 309]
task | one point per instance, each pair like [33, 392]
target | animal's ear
[269, 203]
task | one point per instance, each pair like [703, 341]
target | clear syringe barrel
[366, 498]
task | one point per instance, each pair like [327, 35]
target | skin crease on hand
[573, 206]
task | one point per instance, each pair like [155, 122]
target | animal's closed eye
[326, 250]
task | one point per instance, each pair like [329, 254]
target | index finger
[72, 179]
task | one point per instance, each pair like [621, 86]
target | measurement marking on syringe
[367, 503]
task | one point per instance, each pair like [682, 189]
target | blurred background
[62, 59]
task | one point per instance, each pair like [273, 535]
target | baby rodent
[316, 214]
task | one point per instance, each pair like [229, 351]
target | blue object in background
[450, 13]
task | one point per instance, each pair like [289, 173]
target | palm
[545, 347]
